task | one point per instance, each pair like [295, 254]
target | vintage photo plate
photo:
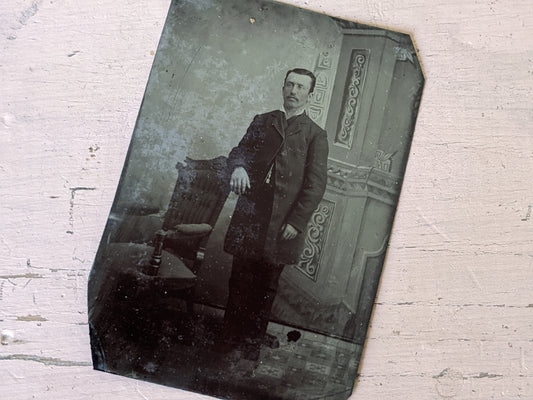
[243, 251]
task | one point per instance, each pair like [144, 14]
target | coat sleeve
[241, 155]
[314, 183]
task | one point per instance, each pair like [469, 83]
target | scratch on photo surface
[178, 89]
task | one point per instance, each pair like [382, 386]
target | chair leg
[190, 301]
[188, 338]
[190, 306]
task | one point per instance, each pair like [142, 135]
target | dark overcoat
[299, 153]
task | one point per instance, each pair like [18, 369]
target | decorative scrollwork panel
[317, 230]
[350, 105]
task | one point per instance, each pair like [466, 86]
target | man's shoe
[223, 347]
[271, 341]
[251, 352]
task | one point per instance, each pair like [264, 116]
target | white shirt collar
[294, 115]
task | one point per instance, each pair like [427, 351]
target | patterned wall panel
[320, 100]
[350, 104]
[383, 161]
[363, 181]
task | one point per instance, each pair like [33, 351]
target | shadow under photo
[243, 251]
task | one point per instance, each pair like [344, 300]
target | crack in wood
[487, 375]
[445, 373]
[73, 191]
[431, 304]
[45, 360]
[28, 276]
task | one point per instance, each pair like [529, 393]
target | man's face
[296, 91]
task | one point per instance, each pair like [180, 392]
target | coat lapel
[279, 123]
[301, 123]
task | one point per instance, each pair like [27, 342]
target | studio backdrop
[219, 63]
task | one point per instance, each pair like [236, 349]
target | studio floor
[178, 350]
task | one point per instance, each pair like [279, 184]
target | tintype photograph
[244, 247]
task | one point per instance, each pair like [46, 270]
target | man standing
[279, 171]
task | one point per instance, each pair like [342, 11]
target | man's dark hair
[301, 71]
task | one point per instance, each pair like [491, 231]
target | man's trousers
[252, 288]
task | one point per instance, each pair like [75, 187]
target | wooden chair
[145, 279]
[179, 246]
[199, 195]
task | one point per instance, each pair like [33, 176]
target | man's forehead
[298, 78]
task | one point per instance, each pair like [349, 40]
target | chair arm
[189, 231]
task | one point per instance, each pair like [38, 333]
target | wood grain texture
[454, 313]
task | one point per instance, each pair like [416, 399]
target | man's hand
[288, 232]
[240, 181]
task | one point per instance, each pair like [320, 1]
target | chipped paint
[29, 12]
[15, 276]
[31, 318]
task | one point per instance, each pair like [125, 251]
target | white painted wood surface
[454, 313]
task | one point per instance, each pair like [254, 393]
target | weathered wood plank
[453, 315]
